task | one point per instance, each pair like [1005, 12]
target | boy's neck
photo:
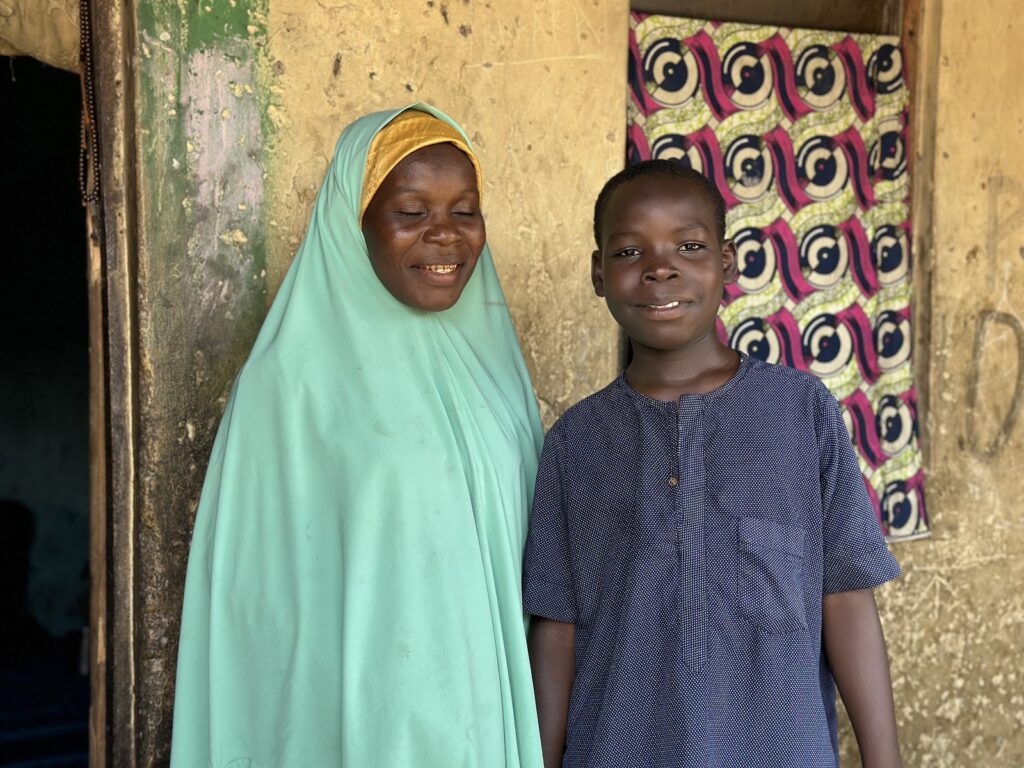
[669, 374]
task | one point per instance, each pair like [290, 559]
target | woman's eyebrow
[420, 190]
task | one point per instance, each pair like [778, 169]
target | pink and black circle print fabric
[805, 133]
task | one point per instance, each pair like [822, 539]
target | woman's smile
[439, 274]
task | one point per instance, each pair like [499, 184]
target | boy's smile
[661, 265]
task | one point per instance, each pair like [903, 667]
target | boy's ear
[730, 268]
[597, 273]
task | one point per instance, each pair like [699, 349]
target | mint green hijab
[353, 590]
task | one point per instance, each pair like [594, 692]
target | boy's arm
[855, 647]
[553, 660]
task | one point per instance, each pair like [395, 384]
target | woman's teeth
[670, 305]
[441, 269]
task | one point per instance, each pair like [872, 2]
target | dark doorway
[44, 421]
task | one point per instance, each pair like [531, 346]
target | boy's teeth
[670, 305]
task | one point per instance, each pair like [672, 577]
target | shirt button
[673, 481]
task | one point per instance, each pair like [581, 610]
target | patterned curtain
[804, 131]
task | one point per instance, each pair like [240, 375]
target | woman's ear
[597, 273]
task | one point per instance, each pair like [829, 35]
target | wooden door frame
[113, 292]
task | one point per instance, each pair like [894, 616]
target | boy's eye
[691, 246]
[627, 252]
[464, 214]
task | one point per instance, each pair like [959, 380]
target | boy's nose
[660, 270]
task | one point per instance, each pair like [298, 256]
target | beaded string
[88, 154]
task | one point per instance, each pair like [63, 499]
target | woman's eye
[410, 214]
[691, 246]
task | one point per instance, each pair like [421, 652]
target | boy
[702, 548]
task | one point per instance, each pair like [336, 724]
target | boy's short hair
[674, 168]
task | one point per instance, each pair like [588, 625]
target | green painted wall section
[202, 138]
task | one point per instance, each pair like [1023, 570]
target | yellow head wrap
[410, 131]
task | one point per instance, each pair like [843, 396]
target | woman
[353, 590]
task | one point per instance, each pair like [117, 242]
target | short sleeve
[547, 569]
[855, 552]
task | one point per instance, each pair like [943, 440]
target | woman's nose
[442, 230]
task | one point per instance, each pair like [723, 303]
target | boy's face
[661, 265]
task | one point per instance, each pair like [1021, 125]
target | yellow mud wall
[540, 89]
[955, 621]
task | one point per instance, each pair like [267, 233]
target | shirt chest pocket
[769, 572]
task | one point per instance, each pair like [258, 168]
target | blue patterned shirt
[691, 543]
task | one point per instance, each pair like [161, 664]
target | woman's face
[423, 228]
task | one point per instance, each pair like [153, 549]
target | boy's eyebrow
[680, 228]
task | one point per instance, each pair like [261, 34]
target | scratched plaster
[223, 142]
